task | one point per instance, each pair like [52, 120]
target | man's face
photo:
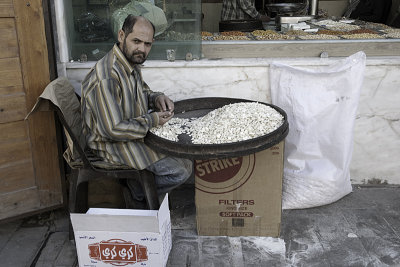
[136, 46]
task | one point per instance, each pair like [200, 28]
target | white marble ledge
[244, 62]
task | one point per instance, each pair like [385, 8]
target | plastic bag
[139, 8]
[321, 105]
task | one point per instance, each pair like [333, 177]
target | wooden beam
[11, 76]
[6, 8]
[35, 69]
[19, 202]
[8, 38]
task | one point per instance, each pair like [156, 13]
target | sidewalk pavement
[362, 229]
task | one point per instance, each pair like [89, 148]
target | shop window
[92, 26]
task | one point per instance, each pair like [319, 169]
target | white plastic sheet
[321, 105]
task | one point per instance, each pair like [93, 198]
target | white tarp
[321, 105]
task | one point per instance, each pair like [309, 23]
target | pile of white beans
[338, 26]
[230, 123]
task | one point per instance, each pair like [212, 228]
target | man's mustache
[139, 53]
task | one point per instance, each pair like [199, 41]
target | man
[115, 109]
[241, 10]
[369, 10]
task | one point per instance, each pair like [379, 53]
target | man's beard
[134, 57]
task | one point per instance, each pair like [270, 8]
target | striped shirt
[239, 9]
[114, 106]
[352, 6]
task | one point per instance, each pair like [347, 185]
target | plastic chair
[61, 97]
[94, 168]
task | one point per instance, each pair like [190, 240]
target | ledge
[244, 62]
[293, 49]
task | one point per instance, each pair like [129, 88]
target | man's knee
[186, 169]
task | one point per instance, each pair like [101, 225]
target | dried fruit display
[233, 33]
[228, 37]
[296, 32]
[204, 33]
[362, 31]
[336, 25]
[394, 35]
[362, 36]
[319, 37]
[330, 32]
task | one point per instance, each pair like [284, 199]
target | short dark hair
[130, 21]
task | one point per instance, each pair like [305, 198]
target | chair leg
[72, 190]
[150, 190]
[72, 199]
[82, 197]
[78, 197]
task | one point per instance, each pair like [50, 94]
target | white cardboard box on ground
[123, 237]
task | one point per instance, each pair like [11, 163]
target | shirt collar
[120, 56]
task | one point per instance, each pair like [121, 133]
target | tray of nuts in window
[263, 35]
[232, 36]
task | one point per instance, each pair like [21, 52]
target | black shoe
[130, 202]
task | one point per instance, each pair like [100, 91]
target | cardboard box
[240, 196]
[123, 237]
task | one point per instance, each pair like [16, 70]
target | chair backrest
[65, 102]
[75, 153]
[60, 96]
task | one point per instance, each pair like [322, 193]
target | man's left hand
[163, 103]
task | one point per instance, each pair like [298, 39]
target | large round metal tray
[198, 107]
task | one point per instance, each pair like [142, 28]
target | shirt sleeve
[249, 8]
[369, 11]
[106, 110]
[376, 12]
[151, 96]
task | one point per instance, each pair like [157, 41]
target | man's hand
[163, 103]
[164, 116]
[265, 18]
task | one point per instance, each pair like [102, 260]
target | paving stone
[341, 246]
[182, 196]
[263, 251]
[303, 247]
[216, 251]
[22, 247]
[7, 230]
[387, 198]
[184, 218]
[361, 229]
[376, 235]
[185, 251]
[357, 199]
[61, 221]
[67, 256]
[53, 247]
[392, 217]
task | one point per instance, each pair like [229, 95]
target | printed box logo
[118, 252]
[221, 176]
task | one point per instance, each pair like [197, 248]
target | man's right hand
[164, 116]
[265, 18]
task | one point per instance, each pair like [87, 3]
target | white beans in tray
[230, 123]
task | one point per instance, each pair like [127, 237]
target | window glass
[93, 25]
